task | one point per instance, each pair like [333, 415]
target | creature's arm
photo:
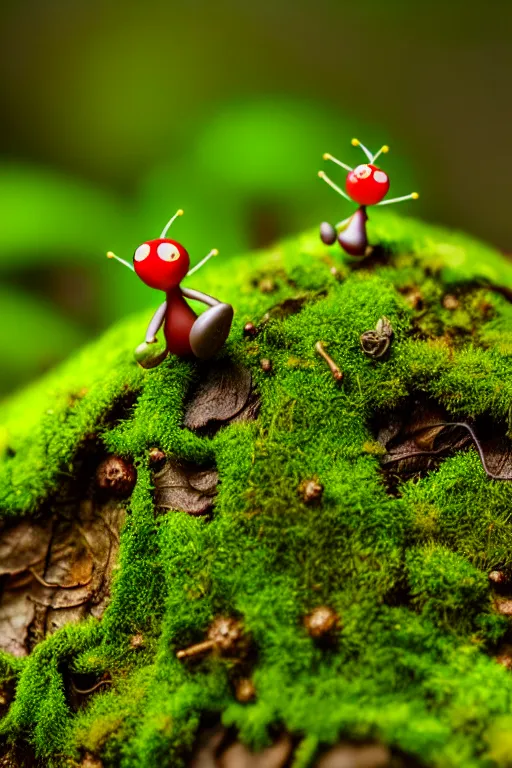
[156, 323]
[190, 293]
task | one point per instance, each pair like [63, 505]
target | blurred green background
[114, 114]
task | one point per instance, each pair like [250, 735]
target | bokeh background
[114, 114]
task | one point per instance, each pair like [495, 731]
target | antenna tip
[110, 255]
[180, 212]
[415, 195]
[385, 148]
[215, 252]
[321, 174]
[355, 142]
[326, 156]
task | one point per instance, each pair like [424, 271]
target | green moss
[407, 573]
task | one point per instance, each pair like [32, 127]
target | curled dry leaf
[180, 485]
[55, 571]
[220, 396]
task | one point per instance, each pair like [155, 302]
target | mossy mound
[404, 566]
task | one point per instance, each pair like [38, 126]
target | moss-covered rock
[304, 517]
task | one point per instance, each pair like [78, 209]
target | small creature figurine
[366, 185]
[162, 264]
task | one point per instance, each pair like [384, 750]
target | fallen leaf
[220, 395]
[56, 571]
[421, 434]
[184, 486]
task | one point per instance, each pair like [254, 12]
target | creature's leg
[211, 330]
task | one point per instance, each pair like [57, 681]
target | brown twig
[86, 691]
[336, 373]
[50, 585]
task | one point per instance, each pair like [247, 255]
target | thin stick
[57, 586]
[111, 255]
[328, 156]
[207, 645]
[213, 252]
[334, 186]
[412, 196]
[85, 691]
[336, 373]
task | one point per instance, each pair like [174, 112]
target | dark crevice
[420, 434]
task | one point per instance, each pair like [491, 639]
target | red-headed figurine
[366, 185]
[162, 264]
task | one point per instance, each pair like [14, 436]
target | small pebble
[156, 455]
[311, 490]
[498, 577]
[266, 365]
[245, 690]
[321, 621]
[450, 301]
[250, 330]
[267, 285]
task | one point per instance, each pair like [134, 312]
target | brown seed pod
[245, 690]
[321, 621]
[250, 330]
[311, 491]
[116, 476]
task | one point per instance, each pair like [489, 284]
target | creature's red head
[161, 263]
[367, 184]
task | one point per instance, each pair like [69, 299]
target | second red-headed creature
[163, 263]
[367, 184]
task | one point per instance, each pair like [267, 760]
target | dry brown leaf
[57, 571]
[184, 486]
[220, 395]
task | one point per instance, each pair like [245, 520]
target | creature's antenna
[357, 143]
[381, 151]
[412, 196]
[179, 212]
[213, 252]
[328, 156]
[334, 186]
[111, 255]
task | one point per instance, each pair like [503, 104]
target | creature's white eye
[380, 177]
[362, 171]
[142, 252]
[168, 252]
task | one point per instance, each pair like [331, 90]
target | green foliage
[406, 573]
